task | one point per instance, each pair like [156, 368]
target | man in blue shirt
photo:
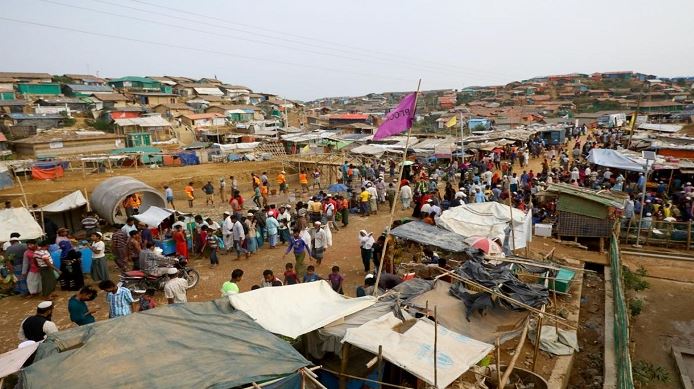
[479, 196]
[78, 309]
[120, 300]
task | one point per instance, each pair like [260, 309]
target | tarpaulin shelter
[497, 321]
[487, 219]
[106, 198]
[413, 349]
[67, 211]
[294, 310]
[18, 220]
[585, 212]
[153, 216]
[613, 159]
[188, 158]
[426, 234]
[193, 345]
[6, 178]
[43, 172]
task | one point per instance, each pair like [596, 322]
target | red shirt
[33, 266]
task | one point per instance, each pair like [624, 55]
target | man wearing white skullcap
[39, 326]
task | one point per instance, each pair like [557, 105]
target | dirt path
[666, 319]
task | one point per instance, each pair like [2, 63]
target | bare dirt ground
[666, 319]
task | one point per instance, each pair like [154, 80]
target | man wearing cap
[227, 225]
[405, 195]
[175, 288]
[237, 236]
[426, 208]
[37, 327]
[14, 255]
[282, 182]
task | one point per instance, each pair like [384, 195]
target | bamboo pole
[436, 341]
[516, 354]
[380, 364]
[537, 339]
[498, 360]
[86, 196]
[510, 299]
[395, 200]
[21, 187]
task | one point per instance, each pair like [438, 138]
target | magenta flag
[399, 119]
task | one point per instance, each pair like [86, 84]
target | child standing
[311, 275]
[210, 241]
[290, 277]
[336, 279]
[147, 300]
[190, 193]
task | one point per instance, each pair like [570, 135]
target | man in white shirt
[129, 226]
[39, 326]
[405, 196]
[238, 235]
[426, 208]
[226, 231]
[175, 288]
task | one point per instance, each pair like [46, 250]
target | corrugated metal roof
[660, 127]
[349, 116]
[147, 121]
[17, 102]
[26, 116]
[209, 91]
[604, 197]
[196, 116]
[89, 88]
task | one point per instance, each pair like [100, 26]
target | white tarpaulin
[73, 200]
[238, 147]
[18, 220]
[487, 219]
[614, 159]
[413, 350]
[294, 310]
[12, 361]
[153, 216]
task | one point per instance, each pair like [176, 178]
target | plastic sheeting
[614, 159]
[18, 220]
[430, 235]
[193, 345]
[72, 201]
[487, 219]
[189, 159]
[497, 322]
[6, 179]
[48, 173]
[294, 310]
[413, 350]
[555, 340]
[153, 216]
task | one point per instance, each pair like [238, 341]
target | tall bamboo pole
[395, 200]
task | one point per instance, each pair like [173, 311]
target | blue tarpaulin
[189, 159]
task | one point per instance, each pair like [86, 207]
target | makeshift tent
[153, 216]
[487, 219]
[497, 321]
[67, 211]
[294, 310]
[12, 361]
[614, 159]
[18, 220]
[193, 345]
[426, 234]
[413, 349]
[6, 178]
[47, 173]
[107, 197]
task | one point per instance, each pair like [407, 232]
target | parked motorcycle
[139, 280]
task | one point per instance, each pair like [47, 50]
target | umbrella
[489, 246]
[337, 188]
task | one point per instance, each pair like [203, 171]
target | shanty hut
[585, 213]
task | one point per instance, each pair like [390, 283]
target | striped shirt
[119, 303]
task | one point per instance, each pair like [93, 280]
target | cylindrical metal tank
[106, 198]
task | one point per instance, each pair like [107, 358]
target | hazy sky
[306, 49]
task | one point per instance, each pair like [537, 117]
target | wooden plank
[686, 374]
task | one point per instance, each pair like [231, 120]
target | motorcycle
[137, 280]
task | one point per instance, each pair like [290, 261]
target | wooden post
[498, 360]
[436, 341]
[626, 240]
[84, 173]
[26, 202]
[86, 196]
[556, 306]
[343, 365]
[516, 354]
[380, 365]
[537, 340]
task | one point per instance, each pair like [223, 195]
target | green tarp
[194, 345]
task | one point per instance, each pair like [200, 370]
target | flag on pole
[452, 122]
[399, 119]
